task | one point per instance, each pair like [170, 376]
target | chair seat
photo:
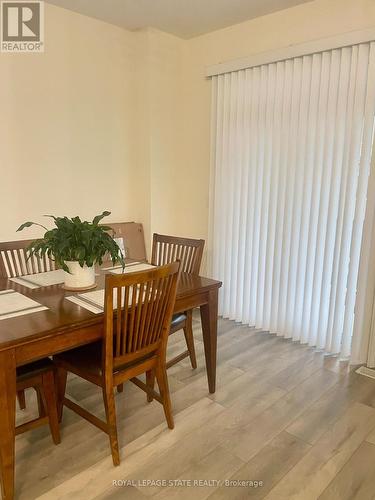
[34, 368]
[88, 359]
[40, 375]
[178, 321]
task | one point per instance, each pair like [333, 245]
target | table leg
[7, 422]
[209, 330]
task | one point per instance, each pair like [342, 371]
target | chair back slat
[138, 311]
[166, 249]
[144, 315]
[15, 260]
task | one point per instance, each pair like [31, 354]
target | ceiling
[184, 18]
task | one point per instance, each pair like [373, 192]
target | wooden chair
[137, 314]
[189, 251]
[40, 375]
[14, 260]
[133, 237]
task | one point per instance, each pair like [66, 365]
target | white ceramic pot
[79, 277]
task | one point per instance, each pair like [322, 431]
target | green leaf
[28, 224]
[107, 228]
[98, 218]
[25, 224]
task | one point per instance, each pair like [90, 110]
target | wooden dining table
[65, 325]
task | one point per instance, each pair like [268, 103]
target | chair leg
[61, 376]
[110, 411]
[21, 399]
[150, 382]
[161, 377]
[49, 396]
[120, 388]
[41, 407]
[188, 332]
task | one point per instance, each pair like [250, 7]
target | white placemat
[94, 301]
[41, 279]
[131, 269]
[111, 268]
[86, 305]
[14, 304]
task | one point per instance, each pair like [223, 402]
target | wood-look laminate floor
[284, 415]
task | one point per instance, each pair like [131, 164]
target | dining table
[63, 325]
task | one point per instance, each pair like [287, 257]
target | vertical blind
[291, 144]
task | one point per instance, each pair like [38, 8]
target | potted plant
[76, 246]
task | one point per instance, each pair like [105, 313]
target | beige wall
[67, 140]
[159, 118]
[92, 124]
[109, 119]
[165, 130]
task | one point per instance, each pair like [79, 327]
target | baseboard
[367, 372]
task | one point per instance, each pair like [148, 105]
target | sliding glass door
[291, 159]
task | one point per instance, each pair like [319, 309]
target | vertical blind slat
[274, 193]
[324, 287]
[288, 210]
[360, 207]
[363, 345]
[337, 162]
[350, 198]
[294, 289]
[266, 187]
[305, 274]
[283, 180]
[244, 187]
[344, 180]
[248, 298]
